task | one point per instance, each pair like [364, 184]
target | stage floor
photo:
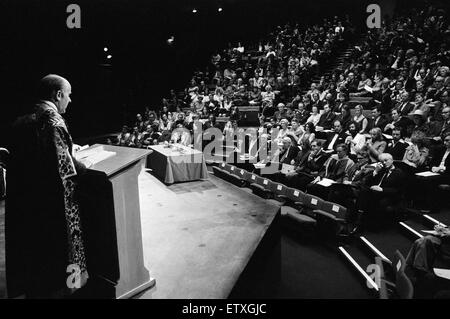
[198, 236]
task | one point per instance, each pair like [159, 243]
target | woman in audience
[345, 117]
[360, 119]
[314, 118]
[308, 135]
[204, 115]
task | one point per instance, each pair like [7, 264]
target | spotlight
[194, 11]
[105, 49]
[170, 40]
[109, 56]
[220, 9]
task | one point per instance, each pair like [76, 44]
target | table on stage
[177, 163]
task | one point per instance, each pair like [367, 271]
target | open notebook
[441, 272]
[94, 155]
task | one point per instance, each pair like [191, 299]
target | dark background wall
[35, 41]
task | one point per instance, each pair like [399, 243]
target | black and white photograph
[224, 154]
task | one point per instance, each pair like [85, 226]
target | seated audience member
[181, 135]
[150, 136]
[360, 119]
[445, 126]
[425, 254]
[301, 114]
[326, 118]
[204, 113]
[404, 107]
[397, 146]
[417, 154]
[135, 138]
[308, 135]
[347, 193]
[356, 140]
[382, 193]
[314, 117]
[255, 96]
[286, 152]
[305, 174]
[139, 123]
[375, 145]
[165, 124]
[345, 117]
[334, 139]
[180, 120]
[398, 121]
[442, 161]
[124, 136]
[378, 119]
[336, 168]
[295, 131]
[341, 104]
[280, 113]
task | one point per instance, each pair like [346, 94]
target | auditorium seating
[305, 208]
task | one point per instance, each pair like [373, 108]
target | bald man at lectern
[45, 250]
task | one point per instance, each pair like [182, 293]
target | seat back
[336, 210]
[295, 195]
[403, 284]
[312, 202]
[279, 189]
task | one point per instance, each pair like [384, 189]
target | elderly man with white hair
[383, 190]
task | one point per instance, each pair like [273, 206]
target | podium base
[147, 285]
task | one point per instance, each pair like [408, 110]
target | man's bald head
[56, 89]
[49, 85]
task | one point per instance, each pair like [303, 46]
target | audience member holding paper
[335, 170]
[306, 173]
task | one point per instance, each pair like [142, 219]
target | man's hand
[75, 148]
[378, 168]
[442, 230]
[376, 188]
[436, 169]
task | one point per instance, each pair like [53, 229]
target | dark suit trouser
[378, 206]
[298, 181]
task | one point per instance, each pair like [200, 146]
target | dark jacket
[397, 151]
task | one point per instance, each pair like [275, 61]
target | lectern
[122, 169]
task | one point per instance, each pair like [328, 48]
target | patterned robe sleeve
[66, 166]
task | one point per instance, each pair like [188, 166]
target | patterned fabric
[66, 169]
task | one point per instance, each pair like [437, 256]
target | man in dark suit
[405, 106]
[301, 114]
[341, 104]
[327, 118]
[377, 120]
[303, 175]
[338, 137]
[441, 164]
[382, 192]
[397, 146]
[384, 96]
